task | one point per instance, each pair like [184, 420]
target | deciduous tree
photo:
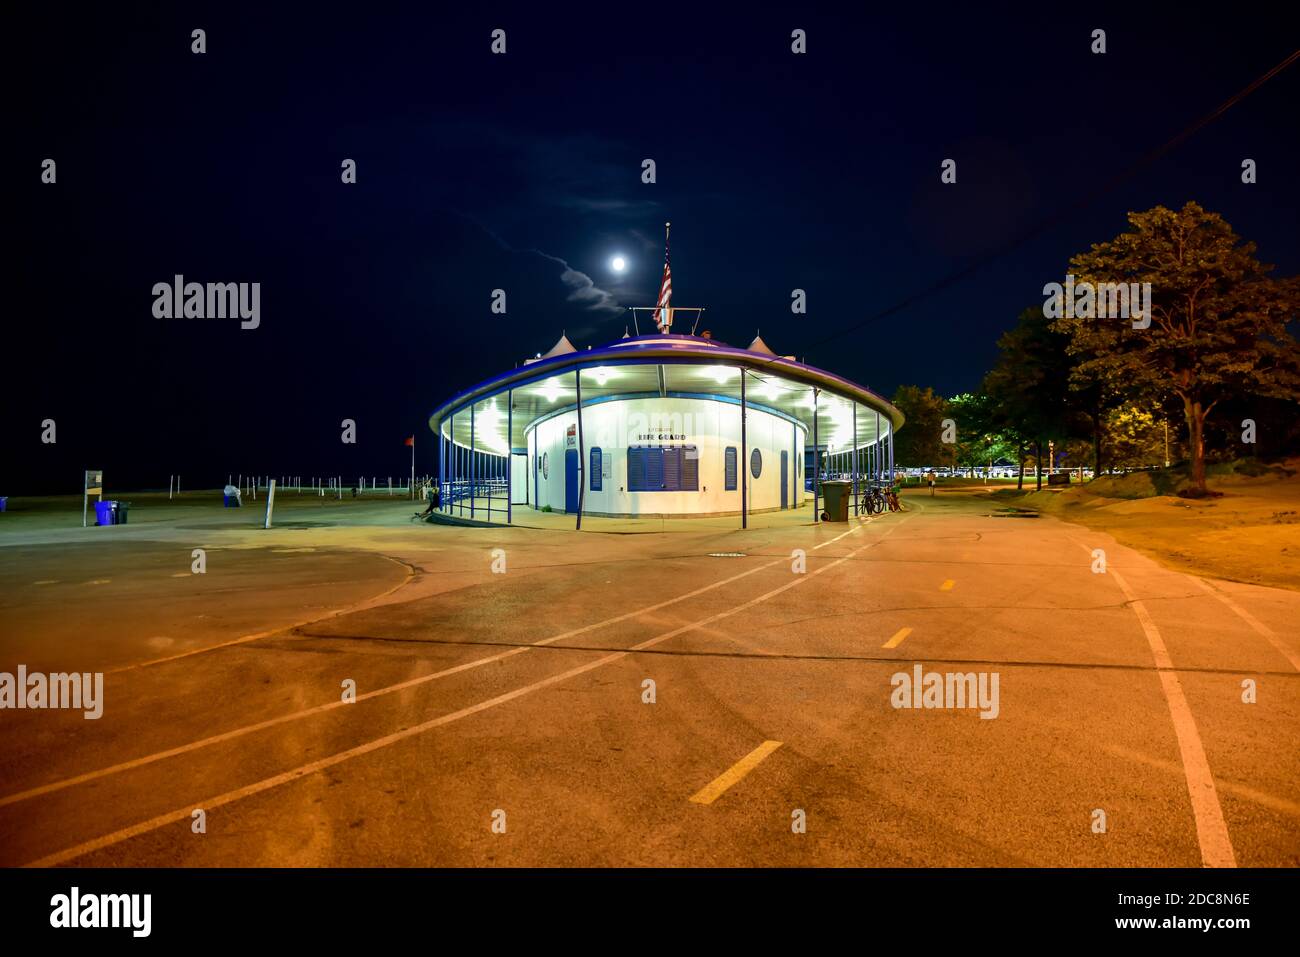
[920, 443]
[1028, 385]
[1218, 323]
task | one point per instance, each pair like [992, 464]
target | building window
[663, 469]
[729, 469]
[640, 463]
[595, 470]
[690, 458]
[756, 463]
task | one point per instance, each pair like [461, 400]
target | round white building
[656, 426]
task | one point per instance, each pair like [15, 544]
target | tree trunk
[1196, 435]
[1020, 467]
[1096, 445]
[1038, 466]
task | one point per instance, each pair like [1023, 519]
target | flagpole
[665, 318]
[668, 309]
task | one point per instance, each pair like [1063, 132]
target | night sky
[523, 172]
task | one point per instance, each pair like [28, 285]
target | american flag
[664, 317]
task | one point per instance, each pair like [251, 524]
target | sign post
[270, 503]
[92, 485]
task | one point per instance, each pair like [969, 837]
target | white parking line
[378, 692]
[180, 814]
[1251, 620]
[244, 639]
[1211, 829]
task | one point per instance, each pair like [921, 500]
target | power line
[1044, 224]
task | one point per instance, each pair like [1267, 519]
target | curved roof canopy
[663, 365]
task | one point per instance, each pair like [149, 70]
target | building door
[785, 479]
[570, 480]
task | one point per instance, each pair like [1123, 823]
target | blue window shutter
[654, 470]
[690, 469]
[672, 458]
[673, 469]
[729, 469]
[636, 469]
[596, 482]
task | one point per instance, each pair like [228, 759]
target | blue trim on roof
[666, 350]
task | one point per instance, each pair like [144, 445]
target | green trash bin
[838, 494]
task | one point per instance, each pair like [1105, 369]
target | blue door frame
[785, 479]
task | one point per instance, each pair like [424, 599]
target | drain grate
[726, 554]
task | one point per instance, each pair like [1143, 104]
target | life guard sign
[571, 437]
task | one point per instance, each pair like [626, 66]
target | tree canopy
[1217, 324]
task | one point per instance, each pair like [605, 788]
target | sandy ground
[1250, 534]
[502, 716]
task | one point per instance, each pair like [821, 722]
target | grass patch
[1176, 480]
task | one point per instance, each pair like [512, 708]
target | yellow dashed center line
[715, 788]
[898, 638]
[947, 585]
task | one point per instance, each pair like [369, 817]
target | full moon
[619, 264]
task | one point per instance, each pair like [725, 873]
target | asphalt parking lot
[710, 697]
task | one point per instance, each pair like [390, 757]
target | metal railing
[481, 498]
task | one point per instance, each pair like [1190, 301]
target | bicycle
[871, 502]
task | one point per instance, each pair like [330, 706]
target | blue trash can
[4, 502]
[103, 513]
